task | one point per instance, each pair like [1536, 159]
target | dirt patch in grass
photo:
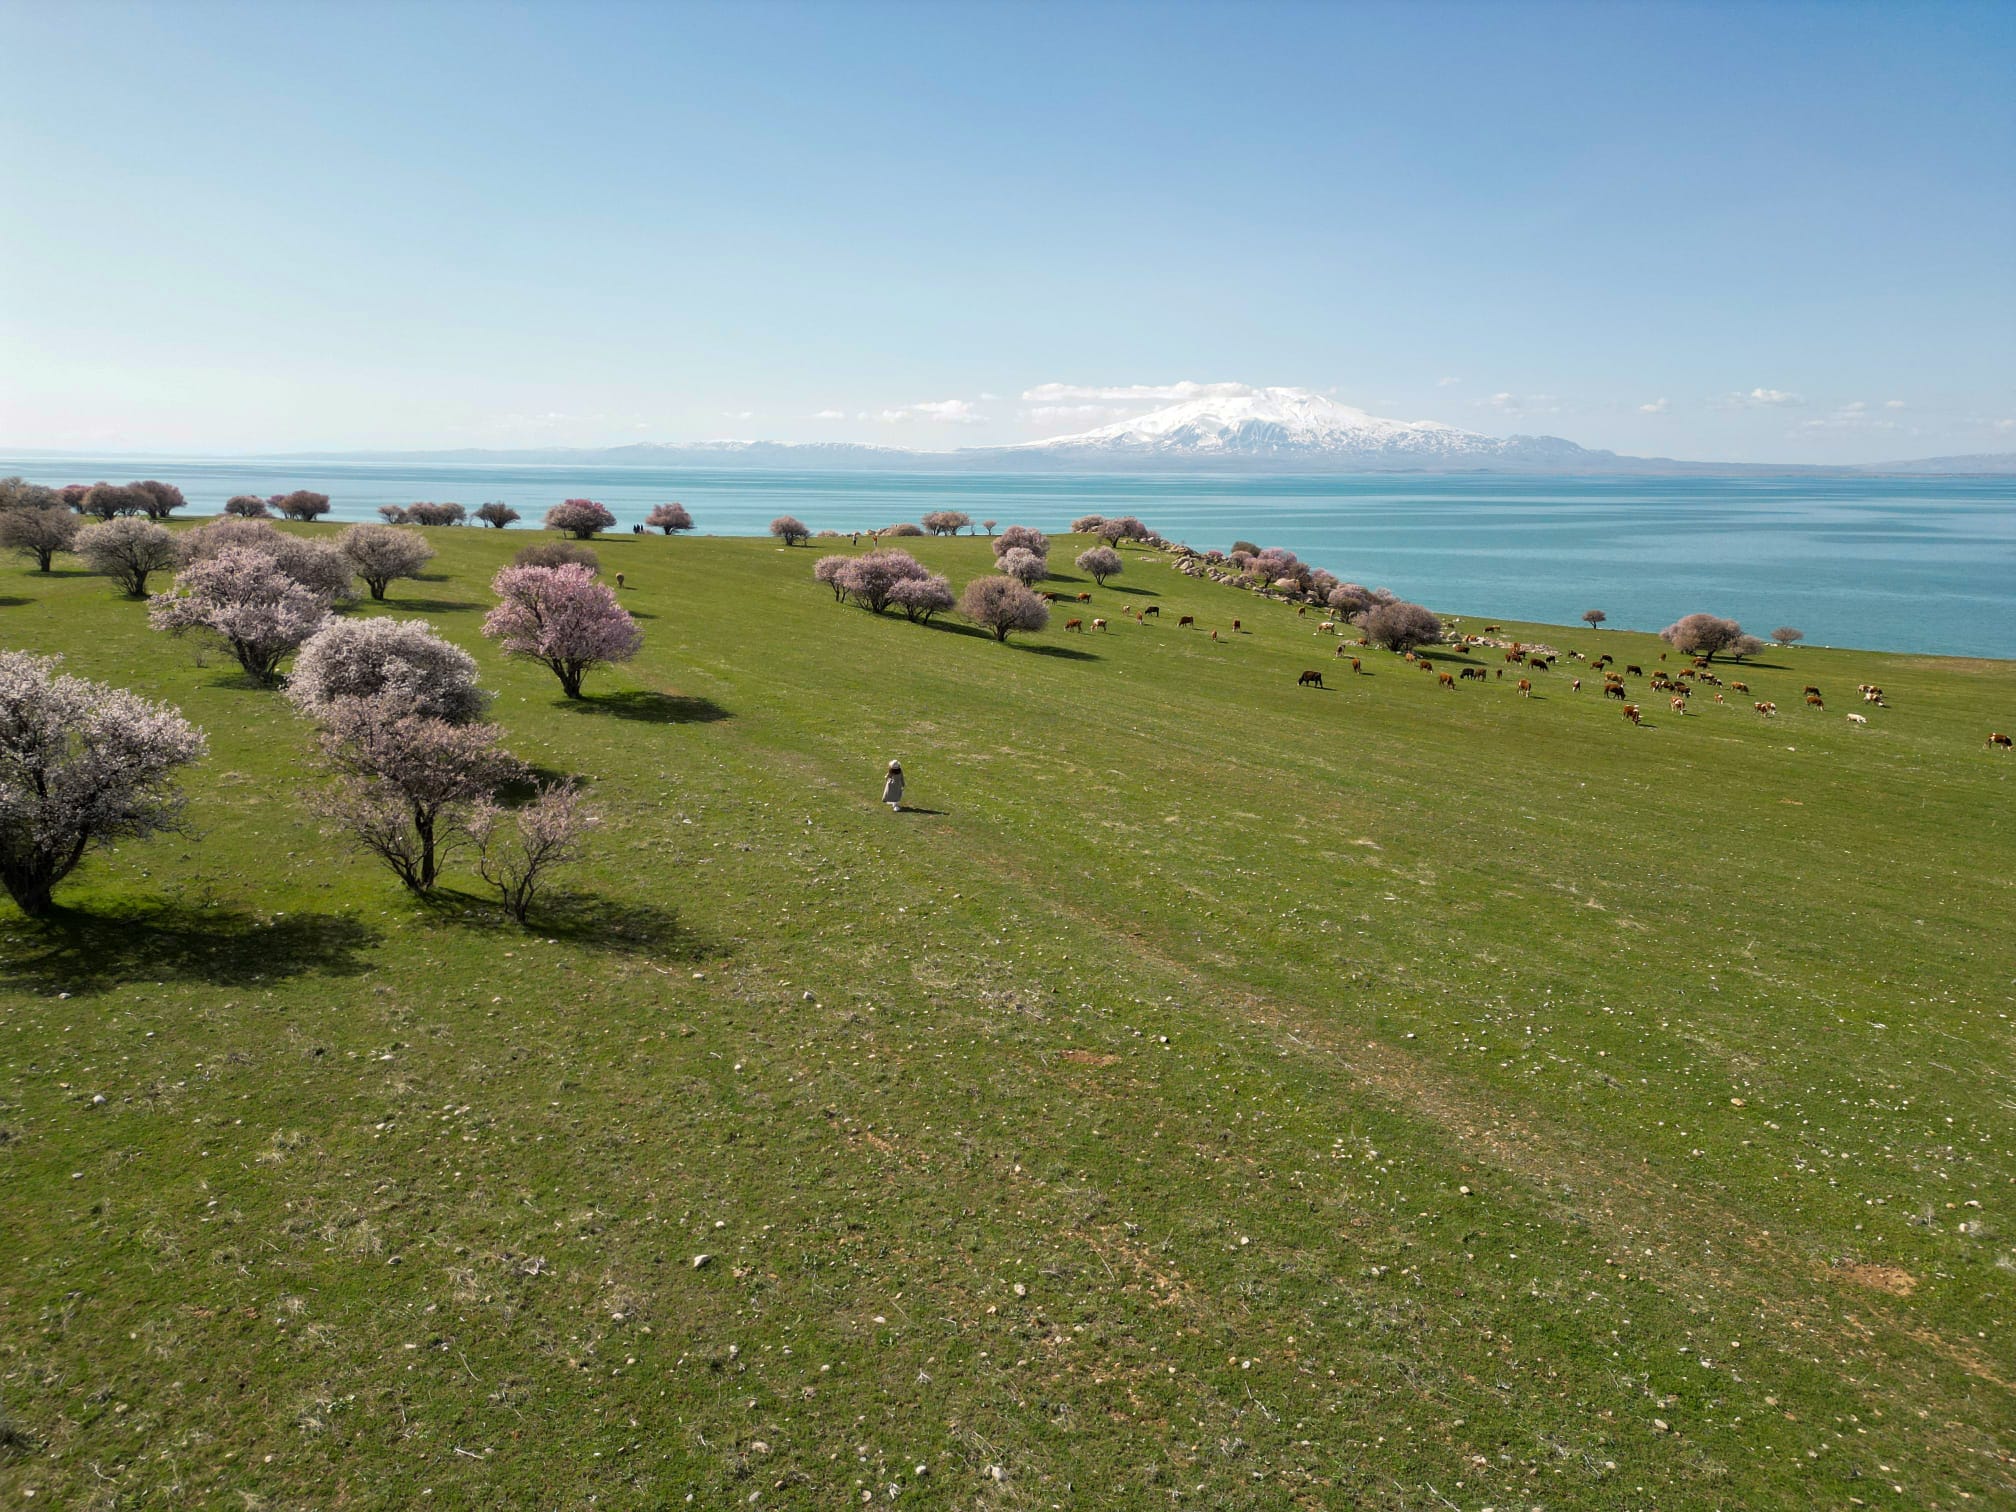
[1884, 1278]
[1088, 1058]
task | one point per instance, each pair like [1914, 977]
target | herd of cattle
[1680, 686]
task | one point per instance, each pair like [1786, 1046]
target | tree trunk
[377, 588]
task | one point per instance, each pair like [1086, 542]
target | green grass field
[1215, 1092]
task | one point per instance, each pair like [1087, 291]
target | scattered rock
[701, 1260]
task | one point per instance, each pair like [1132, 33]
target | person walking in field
[892, 788]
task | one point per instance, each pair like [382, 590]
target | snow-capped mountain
[1295, 426]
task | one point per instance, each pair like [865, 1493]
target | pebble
[700, 1260]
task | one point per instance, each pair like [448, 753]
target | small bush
[496, 515]
[790, 530]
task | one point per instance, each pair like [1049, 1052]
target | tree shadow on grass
[952, 627]
[13, 603]
[77, 952]
[650, 708]
[426, 605]
[586, 919]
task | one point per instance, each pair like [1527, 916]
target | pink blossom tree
[561, 616]
[162, 499]
[1087, 524]
[920, 598]
[249, 602]
[302, 504]
[381, 553]
[669, 518]
[791, 530]
[518, 849]
[246, 507]
[868, 579]
[405, 782]
[1400, 626]
[1021, 538]
[315, 565]
[1702, 635]
[496, 514]
[39, 533]
[82, 765]
[436, 514]
[1024, 566]
[108, 501]
[128, 551]
[1003, 605]
[827, 570]
[580, 518]
[947, 522]
[400, 663]
[1102, 562]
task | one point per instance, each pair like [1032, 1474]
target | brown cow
[1214, 637]
[1356, 665]
[1235, 627]
[1632, 669]
[1766, 709]
[1446, 679]
[1098, 624]
[1154, 609]
[1525, 687]
[1739, 687]
[1813, 701]
[1075, 624]
[1633, 713]
[1809, 688]
[1308, 679]
[1999, 742]
[1084, 598]
[1576, 686]
[1680, 704]
[619, 580]
[1188, 619]
[1614, 690]
[1344, 650]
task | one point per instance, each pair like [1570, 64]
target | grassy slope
[1123, 1140]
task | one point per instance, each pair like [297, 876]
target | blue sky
[1776, 232]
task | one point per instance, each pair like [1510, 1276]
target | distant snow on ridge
[1295, 425]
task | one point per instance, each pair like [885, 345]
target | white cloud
[738, 414]
[1855, 415]
[1050, 393]
[1656, 407]
[2003, 427]
[1894, 404]
[941, 411]
[1525, 404]
[1760, 398]
[830, 414]
[1447, 382]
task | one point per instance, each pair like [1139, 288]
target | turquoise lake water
[1894, 564]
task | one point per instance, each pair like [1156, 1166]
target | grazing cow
[1662, 656]
[1632, 669]
[1490, 629]
[1302, 611]
[1309, 679]
[1525, 687]
[1214, 637]
[1049, 598]
[1446, 679]
[1356, 665]
[1998, 742]
[1601, 661]
[1500, 673]
[1739, 687]
[1680, 704]
[1718, 698]
[1576, 685]
[1344, 650]
[1873, 695]
[1858, 719]
[1098, 624]
[1188, 619]
[1765, 709]
[1084, 598]
[1809, 688]
[1075, 624]
[1633, 713]
[1235, 627]
[619, 580]
[1813, 701]
[1614, 690]
[1126, 608]
[1154, 609]
[1513, 655]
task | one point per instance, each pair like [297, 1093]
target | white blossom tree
[81, 765]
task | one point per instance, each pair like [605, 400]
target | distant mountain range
[1268, 430]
